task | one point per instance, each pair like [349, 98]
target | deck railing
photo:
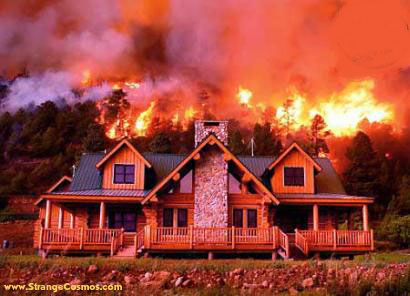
[284, 241]
[335, 239]
[111, 238]
[221, 237]
[301, 242]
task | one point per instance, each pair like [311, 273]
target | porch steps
[128, 249]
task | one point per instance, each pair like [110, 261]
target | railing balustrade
[334, 239]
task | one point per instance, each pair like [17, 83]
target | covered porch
[326, 227]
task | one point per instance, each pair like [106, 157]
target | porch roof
[104, 192]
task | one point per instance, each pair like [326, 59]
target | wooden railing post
[191, 236]
[372, 239]
[233, 237]
[147, 236]
[122, 237]
[81, 237]
[274, 237]
[40, 243]
[112, 244]
[334, 239]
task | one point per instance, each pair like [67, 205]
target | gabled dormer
[294, 171]
[123, 167]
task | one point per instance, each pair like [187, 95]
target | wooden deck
[201, 239]
[334, 241]
[213, 239]
[79, 239]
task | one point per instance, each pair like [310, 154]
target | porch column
[315, 217]
[60, 217]
[71, 220]
[48, 214]
[102, 214]
[365, 211]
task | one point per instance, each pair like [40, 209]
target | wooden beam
[176, 177]
[365, 211]
[154, 198]
[48, 214]
[212, 142]
[102, 215]
[227, 157]
[315, 217]
[197, 156]
[246, 178]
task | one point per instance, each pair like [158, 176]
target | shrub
[396, 229]
[7, 216]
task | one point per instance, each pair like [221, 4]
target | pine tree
[318, 135]
[267, 140]
[95, 140]
[362, 175]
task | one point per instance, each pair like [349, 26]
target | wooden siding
[293, 159]
[124, 156]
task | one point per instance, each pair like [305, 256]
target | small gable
[294, 171]
[123, 168]
[61, 185]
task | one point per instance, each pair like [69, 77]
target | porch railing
[221, 237]
[81, 237]
[284, 242]
[335, 239]
[301, 242]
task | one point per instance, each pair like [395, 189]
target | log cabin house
[127, 203]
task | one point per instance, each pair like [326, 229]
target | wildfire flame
[345, 110]
[244, 95]
[144, 120]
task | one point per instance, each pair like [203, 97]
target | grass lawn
[184, 265]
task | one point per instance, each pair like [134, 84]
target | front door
[123, 219]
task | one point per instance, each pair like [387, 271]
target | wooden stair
[128, 249]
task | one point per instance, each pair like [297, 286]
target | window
[238, 218]
[294, 176]
[186, 183]
[124, 174]
[234, 185]
[182, 218]
[170, 214]
[252, 218]
[168, 218]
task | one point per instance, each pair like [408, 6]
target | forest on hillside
[39, 144]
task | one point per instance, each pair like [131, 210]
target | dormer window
[124, 174]
[294, 176]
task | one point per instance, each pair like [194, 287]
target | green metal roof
[88, 177]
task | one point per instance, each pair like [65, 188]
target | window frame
[294, 183]
[245, 216]
[175, 217]
[125, 165]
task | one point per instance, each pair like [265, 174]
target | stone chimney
[211, 177]
[204, 127]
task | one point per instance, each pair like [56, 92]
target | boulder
[307, 283]
[179, 281]
[92, 268]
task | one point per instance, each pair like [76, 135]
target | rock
[75, 281]
[265, 284]
[237, 271]
[92, 268]
[127, 279]
[179, 281]
[187, 283]
[307, 283]
[381, 276]
[148, 275]
[293, 291]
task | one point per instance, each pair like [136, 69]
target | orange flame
[144, 120]
[244, 96]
